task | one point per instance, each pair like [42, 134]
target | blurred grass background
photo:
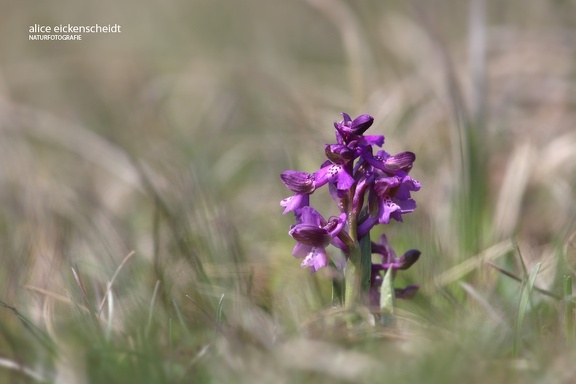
[148, 162]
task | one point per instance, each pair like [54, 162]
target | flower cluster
[369, 187]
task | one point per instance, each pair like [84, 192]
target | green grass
[141, 237]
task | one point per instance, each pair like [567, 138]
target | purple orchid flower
[313, 234]
[368, 188]
[390, 261]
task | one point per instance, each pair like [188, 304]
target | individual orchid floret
[390, 262]
[393, 196]
[349, 128]
[389, 259]
[385, 162]
[402, 263]
[350, 132]
[313, 234]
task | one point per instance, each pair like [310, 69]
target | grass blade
[219, 314]
[152, 307]
[524, 299]
[568, 310]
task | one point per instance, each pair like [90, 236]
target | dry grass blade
[56, 296]
[31, 327]
[570, 252]
[85, 296]
[20, 368]
[508, 207]
[523, 306]
[109, 285]
[498, 318]
[520, 280]
[457, 272]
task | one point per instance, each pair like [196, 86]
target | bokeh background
[158, 150]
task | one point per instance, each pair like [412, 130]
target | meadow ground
[141, 235]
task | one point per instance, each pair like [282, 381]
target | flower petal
[310, 235]
[298, 182]
[388, 209]
[295, 202]
[401, 161]
[361, 124]
[315, 259]
[334, 173]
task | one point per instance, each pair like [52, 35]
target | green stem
[338, 288]
[352, 276]
[357, 273]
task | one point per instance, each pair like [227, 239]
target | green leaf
[387, 298]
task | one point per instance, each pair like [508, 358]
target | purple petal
[315, 259]
[383, 248]
[406, 206]
[308, 215]
[298, 182]
[340, 244]
[387, 210]
[310, 235]
[407, 185]
[347, 118]
[407, 293]
[335, 225]
[361, 124]
[301, 250]
[366, 226]
[401, 161]
[334, 173]
[377, 140]
[339, 154]
[363, 184]
[408, 259]
[375, 161]
[295, 202]
[383, 185]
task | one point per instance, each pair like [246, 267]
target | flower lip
[315, 259]
[334, 173]
[295, 202]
